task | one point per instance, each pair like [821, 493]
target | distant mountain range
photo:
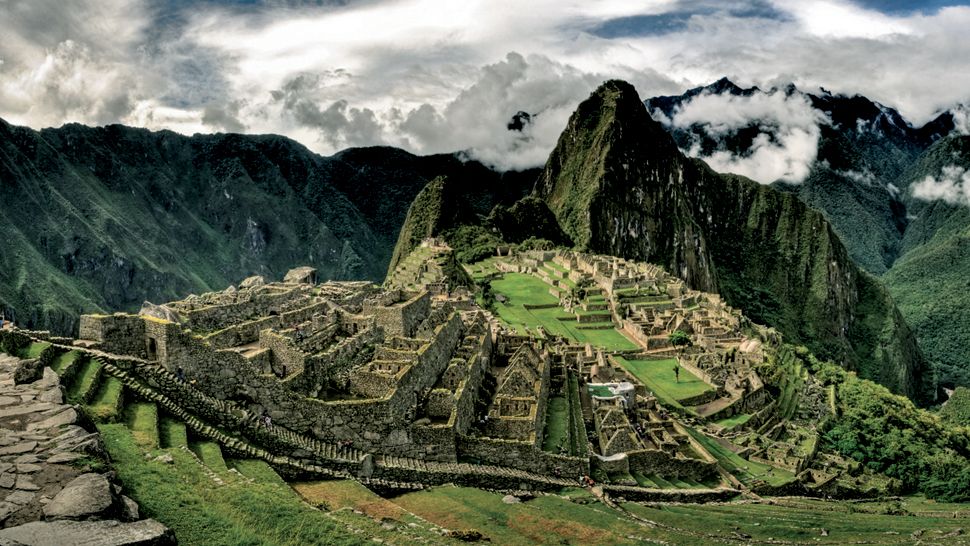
[100, 219]
[870, 162]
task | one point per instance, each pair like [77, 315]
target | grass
[143, 422]
[659, 377]
[557, 425]
[84, 382]
[172, 433]
[182, 497]
[210, 454]
[544, 520]
[744, 470]
[256, 469]
[801, 521]
[106, 404]
[522, 289]
[734, 420]
[63, 361]
[35, 348]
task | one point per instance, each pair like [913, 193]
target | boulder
[148, 532]
[252, 282]
[88, 495]
[28, 371]
[163, 312]
[301, 275]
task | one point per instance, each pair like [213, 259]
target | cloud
[785, 149]
[437, 76]
[961, 119]
[952, 186]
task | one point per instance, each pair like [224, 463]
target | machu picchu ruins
[619, 376]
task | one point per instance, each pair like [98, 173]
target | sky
[435, 76]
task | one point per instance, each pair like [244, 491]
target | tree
[679, 339]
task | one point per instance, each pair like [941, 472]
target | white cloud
[961, 119]
[436, 75]
[951, 186]
[786, 147]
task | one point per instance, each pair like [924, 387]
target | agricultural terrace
[520, 290]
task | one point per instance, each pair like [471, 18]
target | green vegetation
[557, 424]
[800, 521]
[183, 497]
[34, 349]
[520, 290]
[63, 361]
[956, 411]
[734, 420]
[142, 420]
[85, 382]
[658, 376]
[744, 470]
[544, 520]
[890, 435]
[106, 404]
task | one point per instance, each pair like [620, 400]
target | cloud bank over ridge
[436, 76]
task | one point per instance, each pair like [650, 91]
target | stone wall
[652, 461]
[516, 454]
[285, 355]
[118, 333]
[242, 333]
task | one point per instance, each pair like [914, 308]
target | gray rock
[7, 508]
[511, 499]
[147, 532]
[22, 447]
[67, 417]
[61, 458]
[163, 312]
[252, 282]
[7, 480]
[28, 371]
[164, 458]
[20, 497]
[24, 484]
[85, 496]
[129, 509]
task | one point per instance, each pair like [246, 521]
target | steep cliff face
[620, 186]
[101, 219]
[612, 180]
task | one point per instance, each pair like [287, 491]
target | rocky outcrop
[620, 186]
[42, 473]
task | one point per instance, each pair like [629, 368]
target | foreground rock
[147, 532]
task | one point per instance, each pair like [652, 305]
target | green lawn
[64, 360]
[557, 425]
[734, 420]
[658, 376]
[800, 521]
[522, 289]
[544, 520]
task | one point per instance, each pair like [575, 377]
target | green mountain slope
[618, 185]
[101, 219]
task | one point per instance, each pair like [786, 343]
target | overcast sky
[443, 75]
